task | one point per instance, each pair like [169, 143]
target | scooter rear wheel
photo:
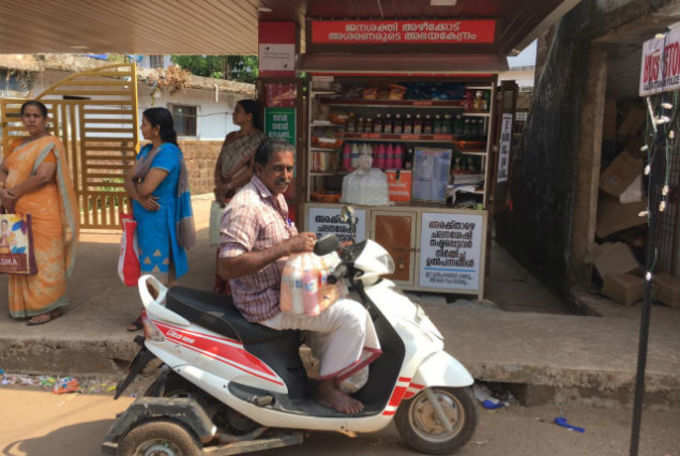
[159, 438]
[421, 429]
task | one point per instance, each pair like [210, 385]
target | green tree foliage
[233, 67]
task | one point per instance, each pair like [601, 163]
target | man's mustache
[282, 182]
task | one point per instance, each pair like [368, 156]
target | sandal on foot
[135, 325]
[44, 318]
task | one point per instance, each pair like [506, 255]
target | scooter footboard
[442, 369]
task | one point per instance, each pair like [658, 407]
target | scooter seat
[217, 313]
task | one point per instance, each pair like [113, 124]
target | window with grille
[156, 61]
[185, 119]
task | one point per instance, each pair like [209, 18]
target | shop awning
[403, 63]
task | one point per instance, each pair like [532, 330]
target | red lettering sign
[404, 31]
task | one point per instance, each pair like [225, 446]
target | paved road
[36, 423]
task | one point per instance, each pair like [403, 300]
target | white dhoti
[342, 337]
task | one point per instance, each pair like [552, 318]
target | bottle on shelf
[389, 157]
[378, 124]
[408, 158]
[379, 156]
[437, 124]
[467, 131]
[397, 126]
[398, 156]
[408, 125]
[418, 125]
[427, 125]
[351, 125]
[347, 156]
[360, 125]
[387, 125]
[356, 151]
[459, 126]
[368, 125]
[446, 127]
[478, 101]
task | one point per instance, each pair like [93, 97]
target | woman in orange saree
[34, 179]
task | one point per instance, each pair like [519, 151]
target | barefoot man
[256, 238]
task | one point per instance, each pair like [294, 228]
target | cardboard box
[400, 186]
[625, 289]
[667, 289]
[612, 216]
[634, 193]
[620, 174]
[613, 258]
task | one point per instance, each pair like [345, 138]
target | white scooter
[231, 387]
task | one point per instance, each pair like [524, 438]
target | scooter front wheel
[159, 438]
[421, 428]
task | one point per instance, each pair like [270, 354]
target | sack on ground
[16, 245]
[129, 269]
[216, 213]
[304, 286]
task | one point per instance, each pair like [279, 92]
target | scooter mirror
[327, 244]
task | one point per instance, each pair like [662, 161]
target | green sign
[280, 123]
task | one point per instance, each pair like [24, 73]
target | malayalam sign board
[660, 68]
[451, 251]
[504, 149]
[280, 123]
[404, 31]
[326, 220]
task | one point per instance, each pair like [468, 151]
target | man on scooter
[256, 238]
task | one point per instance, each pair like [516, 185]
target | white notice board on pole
[452, 252]
[660, 67]
[325, 219]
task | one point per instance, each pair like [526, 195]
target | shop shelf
[473, 152]
[325, 123]
[324, 149]
[478, 87]
[476, 114]
[324, 92]
[439, 138]
[429, 104]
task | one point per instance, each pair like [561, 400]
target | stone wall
[200, 157]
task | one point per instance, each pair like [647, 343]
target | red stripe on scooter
[189, 347]
[404, 379]
[397, 396]
[409, 395]
[202, 343]
[389, 413]
[196, 333]
[417, 386]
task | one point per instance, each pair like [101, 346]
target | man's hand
[303, 242]
[7, 200]
[150, 203]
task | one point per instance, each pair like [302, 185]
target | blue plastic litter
[492, 404]
[562, 421]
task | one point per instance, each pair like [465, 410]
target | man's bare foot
[330, 396]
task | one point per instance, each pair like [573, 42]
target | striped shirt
[255, 220]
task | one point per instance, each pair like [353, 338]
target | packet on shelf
[304, 284]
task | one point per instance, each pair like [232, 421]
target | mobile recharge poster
[451, 250]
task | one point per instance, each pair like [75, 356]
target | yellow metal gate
[95, 115]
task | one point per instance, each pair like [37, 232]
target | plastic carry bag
[216, 213]
[304, 285]
[129, 269]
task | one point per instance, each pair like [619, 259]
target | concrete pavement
[526, 337]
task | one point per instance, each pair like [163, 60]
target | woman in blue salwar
[161, 202]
